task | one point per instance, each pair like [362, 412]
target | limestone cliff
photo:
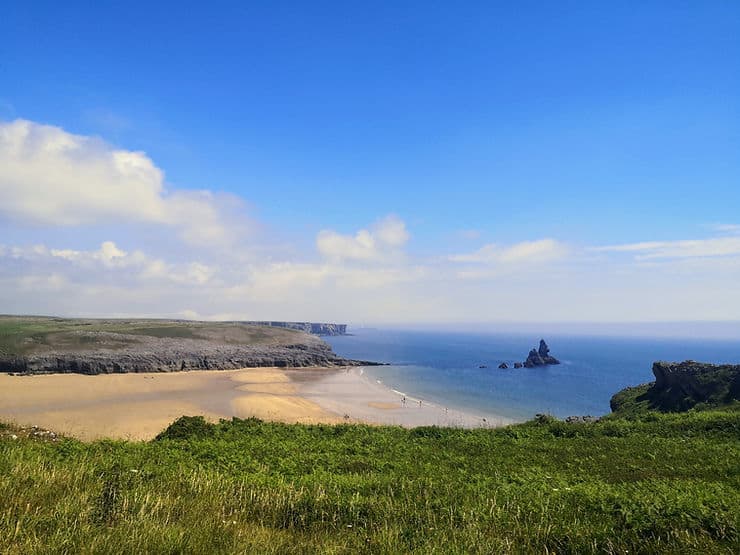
[33, 345]
[168, 355]
[680, 386]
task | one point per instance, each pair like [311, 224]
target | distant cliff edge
[309, 327]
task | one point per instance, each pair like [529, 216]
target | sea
[460, 370]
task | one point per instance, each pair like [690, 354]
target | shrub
[188, 427]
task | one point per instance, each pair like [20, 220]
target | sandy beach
[353, 393]
[138, 406]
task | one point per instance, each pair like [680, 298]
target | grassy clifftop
[29, 335]
[666, 483]
[58, 345]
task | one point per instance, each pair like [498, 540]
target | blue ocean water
[443, 367]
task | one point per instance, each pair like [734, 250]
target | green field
[24, 335]
[658, 483]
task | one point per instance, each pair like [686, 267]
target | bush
[188, 427]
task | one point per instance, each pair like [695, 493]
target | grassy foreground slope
[665, 483]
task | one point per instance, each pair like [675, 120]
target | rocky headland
[53, 345]
[680, 386]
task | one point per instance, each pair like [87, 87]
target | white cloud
[108, 257]
[384, 239]
[199, 273]
[391, 231]
[539, 251]
[51, 177]
[111, 280]
[287, 280]
[108, 254]
[699, 248]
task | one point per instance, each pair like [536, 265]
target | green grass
[657, 483]
[24, 335]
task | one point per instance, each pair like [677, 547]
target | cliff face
[692, 382]
[48, 345]
[309, 327]
[174, 358]
[679, 386]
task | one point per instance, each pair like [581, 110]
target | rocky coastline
[47, 345]
[680, 386]
[180, 357]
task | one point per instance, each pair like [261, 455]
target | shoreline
[137, 406]
[353, 393]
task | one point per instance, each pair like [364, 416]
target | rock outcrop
[154, 354]
[582, 419]
[680, 386]
[503, 366]
[540, 356]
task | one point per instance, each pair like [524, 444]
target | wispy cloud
[731, 229]
[714, 247]
[542, 250]
[108, 259]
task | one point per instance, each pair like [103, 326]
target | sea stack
[540, 357]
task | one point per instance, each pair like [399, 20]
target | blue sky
[480, 128]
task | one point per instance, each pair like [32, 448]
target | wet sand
[138, 406]
[357, 397]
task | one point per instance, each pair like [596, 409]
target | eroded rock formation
[540, 356]
[679, 386]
